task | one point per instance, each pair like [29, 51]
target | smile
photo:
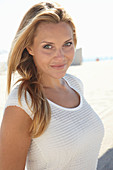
[58, 67]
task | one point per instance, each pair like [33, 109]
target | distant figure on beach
[97, 59]
[47, 123]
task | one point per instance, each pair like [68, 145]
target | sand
[97, 78]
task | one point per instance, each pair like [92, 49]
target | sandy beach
[97, 78]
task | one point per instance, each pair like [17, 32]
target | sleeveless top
[73, 138]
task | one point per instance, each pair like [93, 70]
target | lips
[58, 66]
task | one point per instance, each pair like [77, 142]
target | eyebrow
[53, 43]
[68, 40]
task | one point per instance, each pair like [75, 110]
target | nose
[59, 54]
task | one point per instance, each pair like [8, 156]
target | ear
[30, 50]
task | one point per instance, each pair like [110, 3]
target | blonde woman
[47, 124]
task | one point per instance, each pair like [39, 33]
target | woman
[47, 123]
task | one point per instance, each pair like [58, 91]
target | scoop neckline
[68, 108]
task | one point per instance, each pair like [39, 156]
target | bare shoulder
[14, 138]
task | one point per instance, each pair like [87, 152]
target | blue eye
[48, 46]
[68, 44]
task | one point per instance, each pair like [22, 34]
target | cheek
[37, 59]
[70, 52]
[41, 58]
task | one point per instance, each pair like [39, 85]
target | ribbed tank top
[73, 138]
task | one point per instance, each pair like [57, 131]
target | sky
[93, 20]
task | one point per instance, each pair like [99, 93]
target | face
[53, 49]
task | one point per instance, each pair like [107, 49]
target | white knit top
[73, 139]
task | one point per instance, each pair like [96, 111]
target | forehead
[54, 30]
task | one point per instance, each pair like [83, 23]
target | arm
[14, 139]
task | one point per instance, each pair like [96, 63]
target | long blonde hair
[21, 61]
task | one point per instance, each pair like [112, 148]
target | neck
[53, 83]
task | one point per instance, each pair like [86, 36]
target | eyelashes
[51, 46]
[68, 44]
[47, 46]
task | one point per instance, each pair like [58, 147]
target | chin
[59, 75]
